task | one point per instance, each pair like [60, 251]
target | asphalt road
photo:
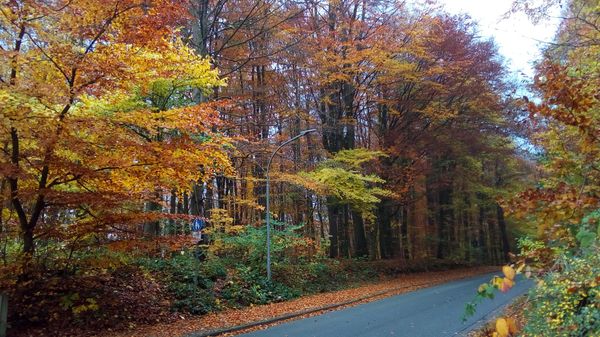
[430, 312]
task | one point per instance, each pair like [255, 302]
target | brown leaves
[567, 98]
[108, 296]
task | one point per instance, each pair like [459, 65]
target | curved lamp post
[268, 216]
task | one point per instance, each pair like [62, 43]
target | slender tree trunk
[444, 222]
[359, 235]
[152, 228]
[404, 234]
[343, 232]
[385, 229]
[28, 243]
[333, 215]
[420, 228]
[503, 233]
[172, 211]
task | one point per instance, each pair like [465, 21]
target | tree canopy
[129, 127]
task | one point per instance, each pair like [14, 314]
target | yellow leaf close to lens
[509, 272]
[497, 281]
[502, 327]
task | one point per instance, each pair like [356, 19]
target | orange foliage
[91, 123]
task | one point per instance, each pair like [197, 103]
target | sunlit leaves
[488, 290]
[509, 272]
[342, 178]
[502, 327]
[98, 97]
[505, 327]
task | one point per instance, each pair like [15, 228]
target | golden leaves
[505, 327]
[506, 282]
[502, 283]
[99, 98]
[502, 327]
[509, 272]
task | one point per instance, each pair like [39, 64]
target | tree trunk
[503, 233]
[419, 227]
[152, 228]
[28, 243]
[360, 239]
[385, 229]
[444, 222]
[333, 211]
[404, 234]
[172, 211]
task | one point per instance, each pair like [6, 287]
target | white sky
[517, 37]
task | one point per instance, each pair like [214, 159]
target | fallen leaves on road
[234, 317]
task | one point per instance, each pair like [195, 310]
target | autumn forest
[140, 152]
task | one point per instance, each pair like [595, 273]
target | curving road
[430, 312]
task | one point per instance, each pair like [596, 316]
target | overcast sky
[516, 36]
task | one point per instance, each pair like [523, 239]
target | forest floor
[366, 292]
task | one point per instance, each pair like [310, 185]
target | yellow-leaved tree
[97, 115]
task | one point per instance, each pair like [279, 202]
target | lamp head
[302, 133]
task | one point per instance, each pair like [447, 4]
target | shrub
[566, 303]
[246, 285]
[185, 280]
[249, 245]
[54, 300]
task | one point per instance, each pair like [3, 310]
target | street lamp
[268, 217]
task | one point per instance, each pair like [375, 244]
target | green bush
[213, 269]
[246, 286]
[191, 298]
[234, 272]
[566, 303]
[188, 283]
[311, 277]
[249, 246]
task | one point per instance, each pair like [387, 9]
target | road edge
[490, 315]
[217, 332]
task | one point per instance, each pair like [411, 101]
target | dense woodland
[416, 85]
[124, 121]
[416, 88]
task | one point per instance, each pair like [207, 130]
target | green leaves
[347, 185]
[589, 230]
[565, 302]
[355, 158]
[586, 238]
[343, 177]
